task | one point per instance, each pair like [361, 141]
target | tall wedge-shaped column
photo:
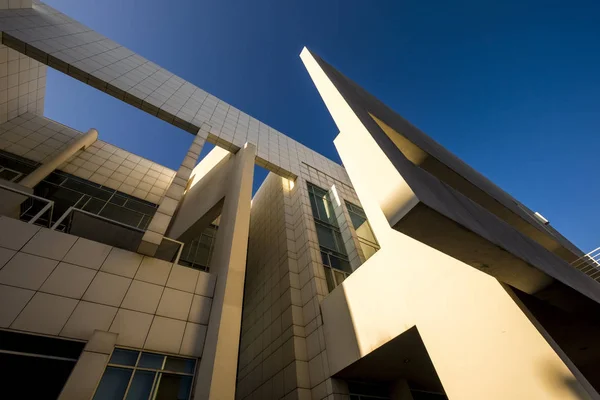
[160, 222]
[218, 366]
[464, 317]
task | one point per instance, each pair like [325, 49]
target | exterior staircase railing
[589, 264]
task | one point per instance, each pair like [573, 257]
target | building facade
[405, 274]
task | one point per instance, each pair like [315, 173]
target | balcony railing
[114, 233]
[589, 264]
[29, 208]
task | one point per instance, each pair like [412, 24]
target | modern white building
[403, 275]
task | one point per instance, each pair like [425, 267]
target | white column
[162, 218]
[89, 368]
[218, 366]
[41, 172]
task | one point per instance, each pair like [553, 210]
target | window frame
[358, 211]
[158, 372]
[331, 272]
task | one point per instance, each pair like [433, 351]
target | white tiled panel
[22, 84]
[52, 37]
[38, 139]
[49, 286]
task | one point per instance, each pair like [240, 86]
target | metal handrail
[49, 204]
[73, 208]
[589, 264]
[181, 244]
[112, 221]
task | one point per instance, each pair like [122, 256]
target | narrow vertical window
[366, 238]
[333, 253]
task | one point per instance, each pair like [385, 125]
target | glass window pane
[141, 385]
[113, 384]
[151, 360]
[140, 207]
[325, 258]
[93, 205]
[329, 278]
[177, 364]
[339, 277]
[367, 249]
[121, 214]
[323, 212]
[124, 357]
[118, 200]
[174, 387]
[8, 175]
[339, 263]
[339, 242]
[325, 236]
[313, 205]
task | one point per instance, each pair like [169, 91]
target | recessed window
[67, 190]
[366, 238]
[137, 375]
[333, 253]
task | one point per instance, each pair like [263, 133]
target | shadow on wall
[557, 377]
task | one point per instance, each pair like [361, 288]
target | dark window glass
[333, 251]
[113, 384]
[88, 189]
[118, 200]
[177, 364]
[8, 174]
[339, 263]
[140, 207]
[124, 357]
[17, 163]
[121, 214]
[151, 360]
[146, 379]
[174, 387]
[326, 237]
[141, 385]
[92, 205]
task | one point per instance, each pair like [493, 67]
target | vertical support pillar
[161, 220]
[41, 172]
[89, 368]
[218, 366]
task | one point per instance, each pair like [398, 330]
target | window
[333, 253]
[198, 253]
[137, 375]
[67, 191]
[366, 238]
[13, 168]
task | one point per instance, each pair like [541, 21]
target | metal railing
[589, 264]
[27, 205]
[118, 235]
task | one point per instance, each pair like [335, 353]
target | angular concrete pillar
[218, 366]
[41, 172]
[89, 368]
[161, 220]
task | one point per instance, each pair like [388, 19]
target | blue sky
[511, 87]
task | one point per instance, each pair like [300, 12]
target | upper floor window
[333, 253]
[132, 374]
[198, 253]
[13, 168]
[366, 238]
[67, 191]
